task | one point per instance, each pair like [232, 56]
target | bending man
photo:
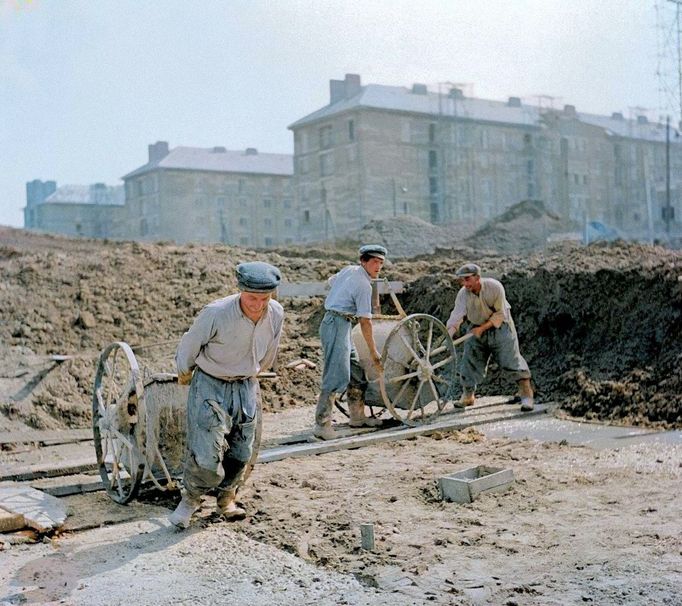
[229, 343]
[483, 303]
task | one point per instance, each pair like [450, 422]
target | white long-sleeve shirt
[226, 344]
[489, 304]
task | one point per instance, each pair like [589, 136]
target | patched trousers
[221, 429]
[500, 344]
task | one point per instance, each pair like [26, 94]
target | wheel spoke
[401, 392]
[428, 340]
[434, 391]
[409, 348]
[409, 375]
[414, 401]
[442, 363]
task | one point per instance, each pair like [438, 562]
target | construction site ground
[601, 328]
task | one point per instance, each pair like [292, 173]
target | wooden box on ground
[464, 486]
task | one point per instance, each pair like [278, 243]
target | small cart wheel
[420, 369]
[118, 420]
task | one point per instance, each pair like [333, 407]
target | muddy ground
[601, 326]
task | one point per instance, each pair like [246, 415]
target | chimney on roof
[642, 120]
[514, 102]
[251, 151]
[344, 89]
[456, 93]
[218, 149]
[37, 191]
[419, 89]
[616, 116]
[158, 151]
[352, 85]
[569, 110]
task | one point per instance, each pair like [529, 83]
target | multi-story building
[378, 151]
[189, 194]
[73, 210]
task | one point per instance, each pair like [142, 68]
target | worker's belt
[224, 379]
[346, 316]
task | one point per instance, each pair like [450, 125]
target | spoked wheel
[118, 421]
[420, 369]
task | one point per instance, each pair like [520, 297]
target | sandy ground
[579, 525]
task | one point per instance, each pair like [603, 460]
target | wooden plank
[10, 521]
[455, 423]
[40, 510]
[53, 436]
[20, 473]
[319, 289]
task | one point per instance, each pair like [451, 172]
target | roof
[402, 99]
[399, 98]
[97, 193]
[220, 160]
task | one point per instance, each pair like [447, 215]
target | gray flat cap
[468, 269]
[373, 250]
[257, 276]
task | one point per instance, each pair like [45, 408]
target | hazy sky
[86, 85]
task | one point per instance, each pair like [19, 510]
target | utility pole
[668, 210]
[678, 22]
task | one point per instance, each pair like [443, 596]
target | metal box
[464, 486]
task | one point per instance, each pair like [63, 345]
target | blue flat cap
[468, 269]
[257, 276]
[373, 250]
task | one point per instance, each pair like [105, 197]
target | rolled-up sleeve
[498, 307]
[458, 313]
[200, 333]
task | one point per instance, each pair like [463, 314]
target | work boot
[356, 408]
[183, 512]
[526, 393]
[467, 398]
[227, 506]
[324, 432]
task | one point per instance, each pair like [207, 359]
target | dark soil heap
[601, 327]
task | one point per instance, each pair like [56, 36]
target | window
[288, 222]
[326, 137]
[433, 186]
[306, 216]
[267, 222]
[351, 130]
[242, 202]
[433, 160]
[432, 133]
[267, 203]
[326, 164]
[244, 240]
[268, 241]
[241, 186]
[243, 221]
[286, 203]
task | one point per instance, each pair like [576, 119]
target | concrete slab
[40, 510]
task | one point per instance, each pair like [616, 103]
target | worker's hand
[184, 378]
[478, 331]
[376, 360]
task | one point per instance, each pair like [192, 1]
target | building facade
[211, 195]
[380, 151]
[74, 210]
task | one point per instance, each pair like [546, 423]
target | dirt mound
[523, 227]
[600, 326]
[407, 236]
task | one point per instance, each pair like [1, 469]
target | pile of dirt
[406, 236]
[522, 228]
[601, 327]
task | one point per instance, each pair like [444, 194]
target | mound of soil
[601, 327]
[522, 228]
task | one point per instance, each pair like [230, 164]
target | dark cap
[373, 250]
[468, 269]
[257, 276]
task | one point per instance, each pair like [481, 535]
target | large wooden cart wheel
[420, 369]
[118, 421]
